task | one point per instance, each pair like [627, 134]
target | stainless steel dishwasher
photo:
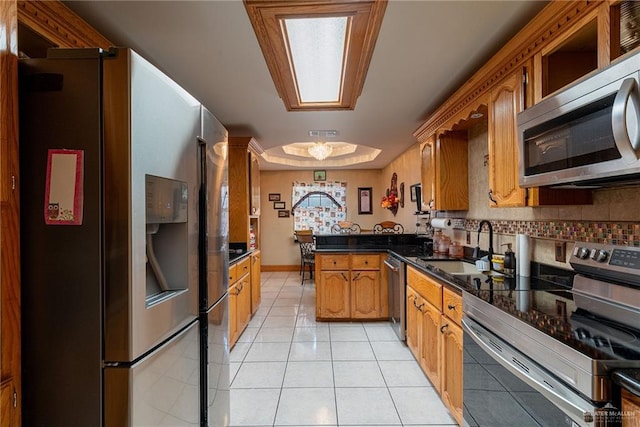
[397, 294]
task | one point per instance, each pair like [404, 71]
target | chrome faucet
[476, 251]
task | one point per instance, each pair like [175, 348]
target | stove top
[557, 312]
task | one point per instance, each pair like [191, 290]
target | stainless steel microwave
[587, 134]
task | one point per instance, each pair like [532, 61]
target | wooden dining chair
[307, 252]
[389, 227]
[345, 227]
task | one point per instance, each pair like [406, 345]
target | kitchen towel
[523, 255]
[442, 223]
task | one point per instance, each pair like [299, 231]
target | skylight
[317, 46]
[318, 53]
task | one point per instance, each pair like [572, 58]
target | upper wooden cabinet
[444, 173]
[244, 192]
[564, 42]
[569, 56]
[506, 101]
[254, 184]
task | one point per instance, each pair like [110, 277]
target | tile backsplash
[618, 233]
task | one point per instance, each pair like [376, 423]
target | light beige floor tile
[259, 375]
[268, 352]
[245, 401]
[391, 350]
[417, 404]
[367, 406]
[306, 406]
[357, 374]
[304, 351]
[348, 350]
[309, 374]
[279, 322]
[311, 334]
[274, 334]
[403, 373]
[348, 333]
[239, 351]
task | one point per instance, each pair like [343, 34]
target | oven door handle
[628, 91]
[574, 406]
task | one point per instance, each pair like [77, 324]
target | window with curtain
[318, 205]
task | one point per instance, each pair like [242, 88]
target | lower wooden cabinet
[413, 324]
[365, 295]
[423, 334]
[434, 336]
[239, 299]
[451, 367]
[333, 295]
[8, 404]
[630, 409]
[256, 290]
[350, 286]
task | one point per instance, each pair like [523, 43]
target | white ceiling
[425, 50]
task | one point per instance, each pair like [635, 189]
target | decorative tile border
[618, 233]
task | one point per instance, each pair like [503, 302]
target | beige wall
[609, 205]
[277, 233]
[277, 243]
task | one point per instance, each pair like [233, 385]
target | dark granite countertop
[236, 257]
[629, 379]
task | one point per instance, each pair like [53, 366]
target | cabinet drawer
[243, 267]
[333, 262]
[365, 262]
[233, 274]
[429, 289]
[452, 305]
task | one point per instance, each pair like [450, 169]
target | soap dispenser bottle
[509, 260]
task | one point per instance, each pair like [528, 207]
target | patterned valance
[319, 219]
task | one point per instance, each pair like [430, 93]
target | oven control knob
[600, 255]
[583, 252]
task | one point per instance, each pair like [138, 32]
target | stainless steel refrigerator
[214, 272]
[110, 242]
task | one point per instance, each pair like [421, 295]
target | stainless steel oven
[397, 294]
[540, 354]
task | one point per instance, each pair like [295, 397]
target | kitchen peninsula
[351, 282]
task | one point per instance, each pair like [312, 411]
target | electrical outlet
[561, 251]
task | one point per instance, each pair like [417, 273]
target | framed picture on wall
[283, 214]
[279, 205]
[413, 190]
[274, 197]
[365, 206]
[319, 175]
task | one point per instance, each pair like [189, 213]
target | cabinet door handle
[491, 197]
[344, 277]
[444, 328]
[356, 277]
[451, 307]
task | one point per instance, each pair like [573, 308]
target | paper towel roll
[523, 255]
[443, 223]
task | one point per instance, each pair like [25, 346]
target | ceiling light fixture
[320, 150]
[352, 28]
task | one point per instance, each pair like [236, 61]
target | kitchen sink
[460, 268]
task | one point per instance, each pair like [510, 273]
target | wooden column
[10, 414]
